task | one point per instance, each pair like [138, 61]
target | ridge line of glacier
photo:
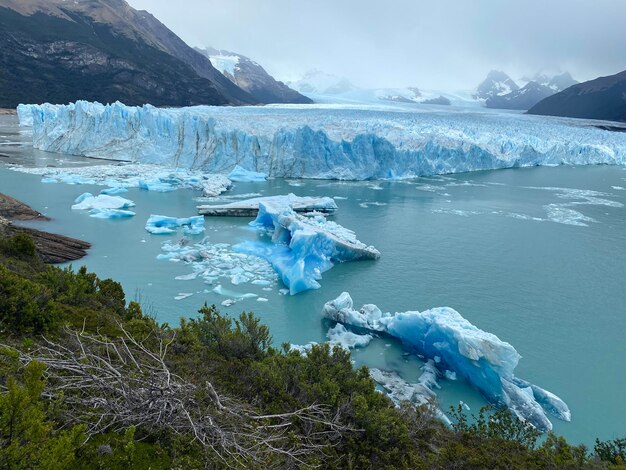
[317, 142]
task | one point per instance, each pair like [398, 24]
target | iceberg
[320, 141]
[111, 214]
[163, 225]
[241, 175]
[454, 344]
[250, 207]
[339, 335]
[88, 201]
[302, 247]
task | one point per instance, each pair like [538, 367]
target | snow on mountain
[252, 77]
[522, 99]
[322, 83]
[497, 83]
[326, 142]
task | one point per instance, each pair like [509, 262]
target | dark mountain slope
[603, 98]
[59, 51]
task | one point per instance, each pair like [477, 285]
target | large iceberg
[453, 343]
[302, 247]
[328, 142]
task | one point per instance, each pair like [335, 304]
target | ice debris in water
[481, 358]
[341, 336]
[216, 262]
[241, 175]
[302, 247]
[163, 225]
[419, 394]
[143, 176]
[345, 143]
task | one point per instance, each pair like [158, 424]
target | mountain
[101, 50]
[603, 98]
[522, 99]
[251, 77]
[497, 83]
[321, 83]
[536, 89]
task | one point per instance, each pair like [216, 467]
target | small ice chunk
[242, 175]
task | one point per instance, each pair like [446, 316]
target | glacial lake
[536, 256]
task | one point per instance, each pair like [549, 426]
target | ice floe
[454, 344]
[104, 206]
[302, 248]
[163, 225]
[241, 175]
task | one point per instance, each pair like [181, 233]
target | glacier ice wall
[332, 142]
[481, 358]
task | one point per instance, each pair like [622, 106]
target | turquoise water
[482, 243]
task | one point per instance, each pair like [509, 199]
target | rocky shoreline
[52, 248]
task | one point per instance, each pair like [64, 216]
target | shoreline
[52, 248]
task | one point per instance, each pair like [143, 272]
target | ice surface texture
[481, 358]
[302, 247]
[331, 142]
[104, 206]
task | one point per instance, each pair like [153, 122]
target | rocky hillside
[252, 77]
[101, 50]
[603, 98]
[497, 83]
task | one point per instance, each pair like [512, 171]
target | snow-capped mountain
[524, 98]
[497, 83]
[316, 82]
[540, 87]
[252, 77]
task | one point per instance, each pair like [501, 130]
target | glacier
[241, 175]
[320, 141]
[454, 344]
[302, 247]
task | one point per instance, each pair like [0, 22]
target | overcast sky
[440, 44]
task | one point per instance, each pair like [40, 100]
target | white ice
[88, 201]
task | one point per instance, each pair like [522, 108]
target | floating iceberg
[241, 175]
[481, 358]
[302, 247]
[112, 214]
[250, 207]
[88, 201]
[326, 142]
[339, 335]
[143, 176]
[163, 225]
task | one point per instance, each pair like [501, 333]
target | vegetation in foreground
[90, 382]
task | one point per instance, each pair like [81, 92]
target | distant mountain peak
[497, 83]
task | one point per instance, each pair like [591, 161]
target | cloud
[445, 44]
